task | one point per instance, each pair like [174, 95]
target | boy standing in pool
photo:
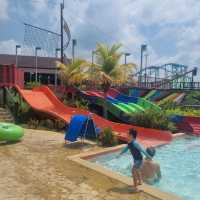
[136, 151]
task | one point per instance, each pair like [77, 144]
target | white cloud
[164, 11]
[120, 21]
[8, 46]
[3, 10]
[39, 5]
[170, 28]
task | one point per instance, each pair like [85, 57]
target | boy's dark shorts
[137, 164]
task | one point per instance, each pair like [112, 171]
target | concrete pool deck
[39, 168]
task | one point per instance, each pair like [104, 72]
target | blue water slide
[135, 92]
[126, 99]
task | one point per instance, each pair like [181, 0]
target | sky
[171, 29]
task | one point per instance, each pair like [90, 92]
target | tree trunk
[106, 87]
[105, 108]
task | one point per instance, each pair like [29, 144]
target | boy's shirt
[138, 147]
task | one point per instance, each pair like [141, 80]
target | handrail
[153, 85]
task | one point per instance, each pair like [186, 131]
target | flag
[67, 31]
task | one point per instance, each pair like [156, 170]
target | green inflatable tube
[10, 132]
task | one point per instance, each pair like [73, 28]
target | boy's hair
[151, 151]
[133, 133]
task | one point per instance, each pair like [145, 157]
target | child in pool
[136, 151]
[150, 169]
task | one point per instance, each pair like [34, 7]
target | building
[46, 67]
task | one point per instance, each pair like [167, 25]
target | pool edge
[81, 159]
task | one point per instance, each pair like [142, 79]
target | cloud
[39, 6]
[170, 28]
[3, 10]
[150, 12]
[127, 22]
[8, 46]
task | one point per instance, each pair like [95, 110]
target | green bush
[192, 98]
[108, 138]
[59, 124]
[169, 104]
[81, 104]
[153, 119]
[48, 123]
[171, 108]
[183, 112]
[33, 123]
[78, 103]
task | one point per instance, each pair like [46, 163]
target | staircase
[194, 123]
[5, 116]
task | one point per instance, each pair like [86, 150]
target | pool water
[180, 166]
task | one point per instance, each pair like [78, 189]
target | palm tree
[73, 73]
[108, 68]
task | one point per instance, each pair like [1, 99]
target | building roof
[29, 61]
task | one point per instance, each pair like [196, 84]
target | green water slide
[127, 107]
[118, 108]
[145, 104]
[136, 106]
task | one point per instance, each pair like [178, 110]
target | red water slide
[43, 99]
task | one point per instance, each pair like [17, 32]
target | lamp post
[143, 49]
[146, 64]
[74, 43]
[126, 55]
[56, 71]
[146, 59]
[36, 63]
[16, 53]
[61, 32]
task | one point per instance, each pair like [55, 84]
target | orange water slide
[42, 99]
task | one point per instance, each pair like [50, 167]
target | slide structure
[171, 97]
[138, 92]
[187, 124]
[43, 100]
[157, 95]
[150, 94]
[139, 102]
[120, 105]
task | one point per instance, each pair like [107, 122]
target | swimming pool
[180, 166]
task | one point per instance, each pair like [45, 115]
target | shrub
[153, 119]
[168, 105]
[81, 104]
[192, 98]
[48, 123]
[59, 124]
[33, 123]
[78, 103]
[108, 138]
[183, 111]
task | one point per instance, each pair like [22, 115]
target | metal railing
[171, 85]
